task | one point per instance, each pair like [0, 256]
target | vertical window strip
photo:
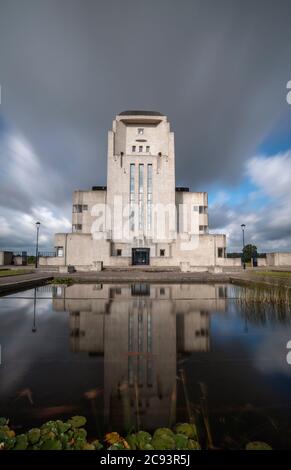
[131, 195]
[149, 196]
[140, 196]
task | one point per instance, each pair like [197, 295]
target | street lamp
[243, 226]
[34, 312]
[37, 224]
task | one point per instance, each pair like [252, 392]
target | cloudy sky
[217, 68]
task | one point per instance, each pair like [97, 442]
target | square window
[133, 148]
[162, 252]
[147, 148]
[118, 252]
[140, 148]
[140, 131]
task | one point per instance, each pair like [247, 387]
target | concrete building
[8, 258]
[140, 217]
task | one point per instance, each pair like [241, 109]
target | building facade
[140, 216]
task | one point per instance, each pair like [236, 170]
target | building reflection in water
[140, 330]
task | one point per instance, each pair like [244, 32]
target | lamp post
[37, 224]
[243, 226]
[33, 329]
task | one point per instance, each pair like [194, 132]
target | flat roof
[140, 113]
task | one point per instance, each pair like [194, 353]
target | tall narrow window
[140, 148]
[140, 196]
[149, 196]
[131, 196]
[133, 148]
[147, 148]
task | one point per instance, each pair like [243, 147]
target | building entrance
[140, 256]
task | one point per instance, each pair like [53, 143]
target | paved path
[26, 281]
[22, 281]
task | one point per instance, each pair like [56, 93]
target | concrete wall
[278, 259]
[262, 262]
[87, 217]
[6, 257]
[19, 260]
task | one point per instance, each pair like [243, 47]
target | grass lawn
[13, 272]
[274, 273]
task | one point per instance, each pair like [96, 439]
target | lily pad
[77, 421]
[21, 442]
[257, 445]
[181, 441]
[51, 444]
[188, 429]
[163, 442]
[33, 435]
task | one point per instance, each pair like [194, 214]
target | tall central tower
[141, 173]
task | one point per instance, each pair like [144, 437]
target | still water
[143, 356]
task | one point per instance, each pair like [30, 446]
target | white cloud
[272, 175]
[25, 189]
[268, 224]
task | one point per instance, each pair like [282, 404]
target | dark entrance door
[141, 256]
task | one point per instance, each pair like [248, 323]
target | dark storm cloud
[218, 69]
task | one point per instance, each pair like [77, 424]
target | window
[220, 252]
[202, 228]
[147, 148]
[140, 148]
[133, 148]
[60, 251]
[162, 291]
[140, 196]
[77, 208]
[202, 209]
[131, 195]
[77, 227]
[80, 208]
[195, 208]
[162, 252]
[140, 131]
[149, 196]
[118, 252]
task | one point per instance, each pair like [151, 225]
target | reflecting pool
[141, 356]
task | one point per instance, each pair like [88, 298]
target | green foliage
[33, 435]
[71, 435]
[53, 435]
[163, 439]
[62, 281]
[188, 429]
[256, 445]
[31, 260]
[249, 252]
[77, 422]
